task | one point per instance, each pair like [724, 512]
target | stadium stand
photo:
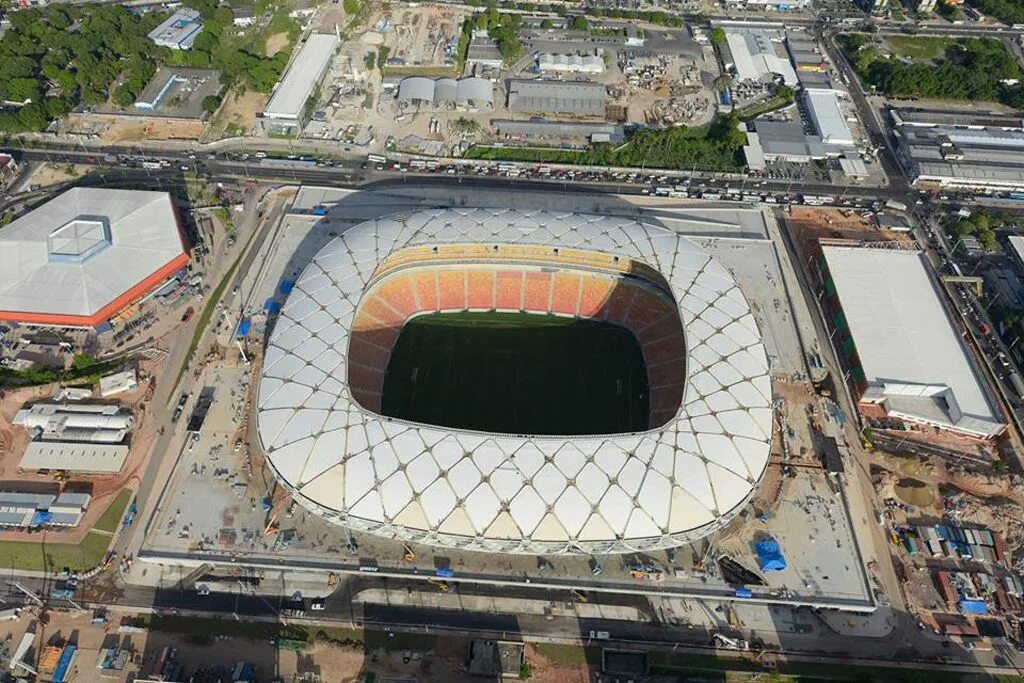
[452, 287]
[508, 294]
[426, 290]
[537, 291]
[565, 293]
[417, 281]
[480, 290]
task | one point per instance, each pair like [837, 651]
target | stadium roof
[80, 258]
[303, 76]
[911, 354]
[503, 493]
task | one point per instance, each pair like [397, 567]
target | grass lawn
[51, 556]
[920, 48]
[517, 373]
[569, 655]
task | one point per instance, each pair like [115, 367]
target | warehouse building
[961, 156]
[758, 53]
[75, 423]
[787, 141]
[178, 92]
[286, 112]
[826, 114]
[549, 62]
[431, 93]
[906, 358]
[179, 31]
[804, 53]
[557, 97]
[85, 256]
[33, 510]
[540, 128]
[483, 52]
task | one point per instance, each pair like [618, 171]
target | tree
[546, 24]
[81, 361]
[211, 103]
[351, 7]
[382, 56]
[579, 23]
[785, 92]
[717, 36]
[480, 22]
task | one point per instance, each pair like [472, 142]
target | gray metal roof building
[179, 31]
[963, 157]
[557, 129]
[421, 91]
[557, 97]
[38, 509]
[309, 67]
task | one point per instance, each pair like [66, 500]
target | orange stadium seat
[508, 292]
[537, 292]
[452, 286]
[365, 379]
[382, 315]
[426, 289]
[367, 399]
[397, 291]
[565, 293]
[596, 290]
[480, 289]
[664, 349]
[363, 352]
[619, 301]
[380, 336]
[647, 308]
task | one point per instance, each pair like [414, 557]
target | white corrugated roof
[79, 252]
[611, 493]
[907, 345]
[98, 458]
[303, 76]
[828, 118]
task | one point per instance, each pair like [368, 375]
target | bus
[376, 158]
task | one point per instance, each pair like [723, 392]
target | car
[187, 315]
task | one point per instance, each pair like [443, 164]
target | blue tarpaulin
[973, 607]
[445, 572]
[770, 555]
[60, 674]
[244, 325]
[272, 306]
[744, 593]
[41, 517]
[286, 286]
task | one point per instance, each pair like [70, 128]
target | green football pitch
[517, 373]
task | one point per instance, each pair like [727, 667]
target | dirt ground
[131, 131]
[276, 43]
[237, 115]
[811, 224]
[54, 174]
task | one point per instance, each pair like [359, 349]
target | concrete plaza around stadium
[826, 572]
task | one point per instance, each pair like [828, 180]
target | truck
[895, 205]
[64, 589]
[129, 515]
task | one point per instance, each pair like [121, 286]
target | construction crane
[273, 503]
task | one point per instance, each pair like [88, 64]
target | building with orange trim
[88, 254]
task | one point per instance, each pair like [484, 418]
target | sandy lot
[276, 43]
[54, 174]
[237, 115]
[131, 131]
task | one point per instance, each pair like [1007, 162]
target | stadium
[504, 381]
